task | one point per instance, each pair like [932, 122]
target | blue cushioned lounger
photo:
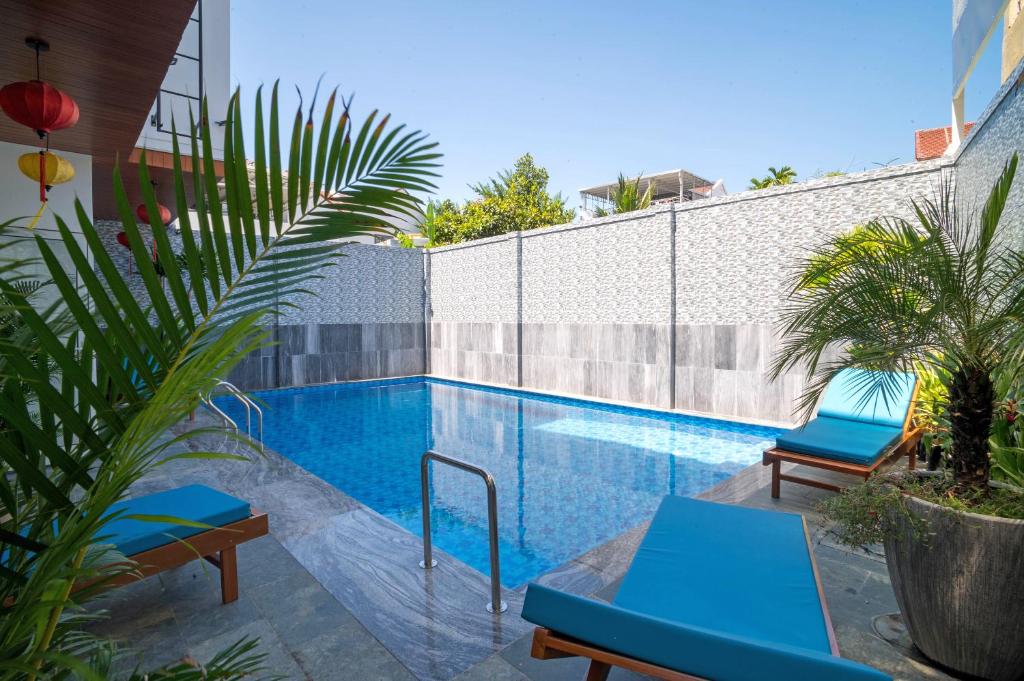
[850, 434]
[157, 546]
[714, 592]
[197, 503]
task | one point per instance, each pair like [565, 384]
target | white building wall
[19, 197]
[211, 19]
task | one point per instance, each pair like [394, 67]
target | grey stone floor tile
[262, 561]
[572, 577]
[348, 653]
[300, 609]
[608, 592]
[565, 669]
[494, 668]
[433, 621]
[199, 624]
[612, 558]
[279, 660]
[857, 643]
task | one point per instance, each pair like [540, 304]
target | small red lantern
[36, 104]
[143, 215]
[122, 239]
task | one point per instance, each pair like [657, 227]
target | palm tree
[945, 290]
[79, 428]
[774, 178]
[627, 197]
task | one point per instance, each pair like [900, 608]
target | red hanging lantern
[36, 104]
[122, 239]
[143, 215]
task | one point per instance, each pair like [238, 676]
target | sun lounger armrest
[690, 650]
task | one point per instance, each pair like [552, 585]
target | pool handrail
[492, 520]
[246, 401]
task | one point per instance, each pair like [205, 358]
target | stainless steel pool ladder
[492, 521]
[246, 402]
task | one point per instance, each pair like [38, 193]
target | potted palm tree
[946, 291]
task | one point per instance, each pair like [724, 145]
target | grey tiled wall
[307, 354]
[621, 362]
[364, 319]
[474, 351]
[723, 369]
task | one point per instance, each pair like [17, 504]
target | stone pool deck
[335, 591]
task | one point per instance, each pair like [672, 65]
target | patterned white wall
[475, 282]
[370, 284]
[609, 270]
[998, 133]
[735, 253]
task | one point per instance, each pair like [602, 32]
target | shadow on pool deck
[335, 592]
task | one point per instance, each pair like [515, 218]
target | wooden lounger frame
[907, 446]
[216, 546]
[549, 645]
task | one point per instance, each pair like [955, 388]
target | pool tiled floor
[335, 592]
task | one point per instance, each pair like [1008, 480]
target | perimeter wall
[673, 306]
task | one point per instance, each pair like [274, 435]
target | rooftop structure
[933, 142]
[671, 186]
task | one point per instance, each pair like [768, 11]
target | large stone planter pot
[961, 589]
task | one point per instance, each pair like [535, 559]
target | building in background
[933, 142]
[672, 186]
[200, 66]
[974, 23]
[111, 58]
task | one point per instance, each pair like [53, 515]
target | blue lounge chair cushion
[840, 440]
[196, 503]
[849, 397]
[721, 592]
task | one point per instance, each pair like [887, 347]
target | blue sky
[724, 89]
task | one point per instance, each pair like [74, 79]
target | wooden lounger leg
[776, 479]
[598, 671]
[228, 576]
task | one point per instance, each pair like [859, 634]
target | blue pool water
[570, 474]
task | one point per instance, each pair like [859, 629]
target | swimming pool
[570, 474]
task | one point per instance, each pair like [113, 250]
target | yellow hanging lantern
[48, 169]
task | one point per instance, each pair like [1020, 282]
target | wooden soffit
[110, 55]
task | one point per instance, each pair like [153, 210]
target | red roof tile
[933, 142]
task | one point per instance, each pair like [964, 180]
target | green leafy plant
[127, 371]
[1007, 440]
[404, 240]
[428, 227]
[517, 200]
[627, 197]
[863, 515]
[774, 178]
[868, 514]
[945, 290]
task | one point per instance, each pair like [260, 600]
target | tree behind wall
[516, 200]
[627, 197]
[774, 178]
